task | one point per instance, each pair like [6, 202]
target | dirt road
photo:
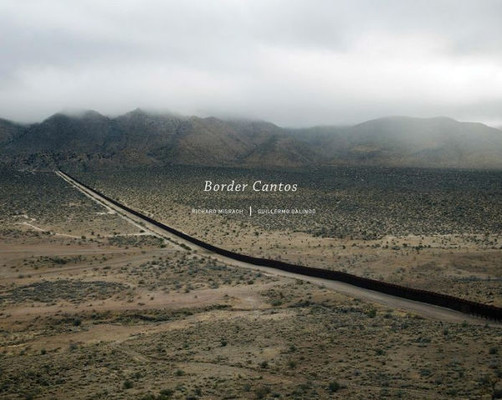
[422, 309]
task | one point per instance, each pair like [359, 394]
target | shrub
[334, 386]
[261, 392]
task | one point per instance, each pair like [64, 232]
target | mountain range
[146, 138]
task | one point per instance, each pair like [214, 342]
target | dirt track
[423, 309]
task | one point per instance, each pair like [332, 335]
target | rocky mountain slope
[143, 138]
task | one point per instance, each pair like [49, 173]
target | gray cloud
[288, 61]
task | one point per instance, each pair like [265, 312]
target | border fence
[424, 296]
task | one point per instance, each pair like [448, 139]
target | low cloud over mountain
[145, 138]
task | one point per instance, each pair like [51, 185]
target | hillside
[143, 138]
[404, 141]
[9, 130]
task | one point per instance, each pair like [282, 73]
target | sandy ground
[136, 321]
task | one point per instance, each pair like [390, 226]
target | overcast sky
[295, 63]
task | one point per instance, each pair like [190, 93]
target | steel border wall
[424, 296]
